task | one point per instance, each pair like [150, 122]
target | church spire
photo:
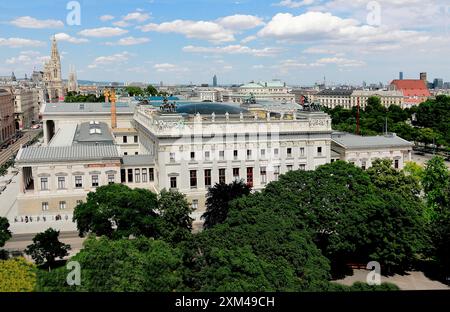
[55, 53]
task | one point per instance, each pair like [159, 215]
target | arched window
[55, 73]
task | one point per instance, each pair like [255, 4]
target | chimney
[113, 109]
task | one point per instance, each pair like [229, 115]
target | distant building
[52, 76]
[72, 84]
[438, 83]
[332, 98]
[7, 126]
[363, 150]
[274, 91]
[387, 98]
[400, 76]
[423, 77]
[26, 106]
[215, 81]
[414, 91]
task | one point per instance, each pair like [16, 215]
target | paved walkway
[410, 281]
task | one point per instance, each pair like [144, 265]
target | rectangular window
[263, 173]
[319, 151]
[302, 167]
[144, 175]
[207, 155]
[78, 182]
[135, 139]
[44, 184]
[193, 175]
[44, 206]
[302, 151]
[289, 152]
[195, 204]
[236, 173]
[192, 155]
[222, 155]
[130, 175]
[222, 178]
[396, 164]
[137, 175]
[62, 205]
[250, 176]
[172, 157]
[136, 153]
[173, 182]
[79, 202]
[275, 151]
[94, 180]
[125, 139]
[151, 174]
[363, 165]
[111, 179]
[123, 176]
[263, 153]
[249, 154]
[289, 168]
[235, 154]
[207, 177]
[276, 172]
[61, 183]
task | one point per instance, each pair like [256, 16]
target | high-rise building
[52, 76]
[400, 76]
[423, 77]
[438, 83]
[215, 81]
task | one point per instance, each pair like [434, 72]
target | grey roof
[138, 160]
[348, 140]
[79, 108]
[68, 153]
[336, 92]
[88, 133]
[64, 136]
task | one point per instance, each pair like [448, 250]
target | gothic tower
[52, 76]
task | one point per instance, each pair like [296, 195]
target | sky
[301, 42]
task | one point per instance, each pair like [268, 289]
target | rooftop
[80, 108]
[68, 153]
[337, 92]
[412, 87]
[138, 160]
[348, 140]
[93, 133]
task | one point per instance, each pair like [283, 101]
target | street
[14, 148]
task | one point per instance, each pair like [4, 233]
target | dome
[209, 108]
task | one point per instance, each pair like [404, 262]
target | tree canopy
[17, 275]
[46, 248]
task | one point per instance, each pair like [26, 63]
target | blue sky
[298, 41]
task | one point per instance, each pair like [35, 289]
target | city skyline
[300, 42]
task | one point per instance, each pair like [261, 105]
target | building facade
[7, 124]
[272, 91]
[387, 98]
[26, 106]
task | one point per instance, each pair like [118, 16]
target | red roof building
[415, 91]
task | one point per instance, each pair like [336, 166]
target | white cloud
[31, 22]
[248, 39]
[129, 41]
[295, 4]
[121, 24]
[206, 30]
[341, 62]
[103, 32]
[28, 58]
[19, 42]
[167, 67]
[240, 22]
[315, 50]
[233, 49]
[105, 18]
[117, 58]
[137, 16]
[69, 38]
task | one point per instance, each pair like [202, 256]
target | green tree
[174, 212]
[46, 248]
[436, 182]
[5, 235]
[17, 275]
[124, 265]
[117, 211]
[218, 200]
[151, 90]
[134, 91]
